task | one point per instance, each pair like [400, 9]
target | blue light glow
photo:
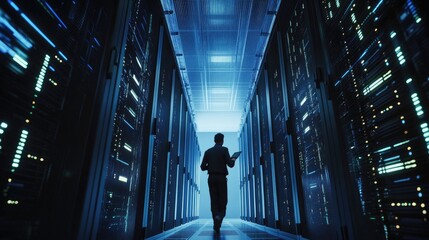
[307, 129]
[383, 149]
[18, 152]
[425, 131]
[135, 80]
[37, 29]
[62, 55]
[14, 6]
[128, 147]
[402, 180]
[20, 61]
[413, 11]
[3, 47]
[377, 82]
[129, 125]
[220, 59]
[134, 95]
[399, 55]
[377, 6]
[55, 14]
[119, 160]
[41, 77]
[16, 33]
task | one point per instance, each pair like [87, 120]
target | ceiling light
[220, 59]
[220, 90]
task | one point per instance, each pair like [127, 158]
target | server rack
[267, 156]
[194, 176]
[242, 196]
[182, 144]
[119, 203]
[308, 124]
[185, 169]
[158, 144]
[171, 189]
[257, 166]
[281, 145]
[249, 164]
[51, 54]
[78, 136]
[362, 65]
[248, 189]
[379, 78]
[189, 173]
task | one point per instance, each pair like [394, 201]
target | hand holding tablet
[235, 155]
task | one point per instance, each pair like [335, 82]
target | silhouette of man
[215, 161]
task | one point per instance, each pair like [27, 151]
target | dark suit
[215, 161]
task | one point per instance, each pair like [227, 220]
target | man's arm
[204, 165]
[229, 161]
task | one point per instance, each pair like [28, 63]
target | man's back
[215, 160]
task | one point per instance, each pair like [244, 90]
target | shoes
[217, 223]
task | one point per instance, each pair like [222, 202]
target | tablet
[236, 154]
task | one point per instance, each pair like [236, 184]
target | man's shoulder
[217, 148]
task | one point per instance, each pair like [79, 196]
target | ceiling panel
[219, 44]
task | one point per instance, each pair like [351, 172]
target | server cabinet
[185, 170]
[153, 214]
[281, 145]
[242, 183]
[194, 173]
[242, 196]
[179, 201]
[190, 163]
[121, 187]
[310, 127]
[379, 53]
[257, 166]
[249, 168]
[52, 55]
[173, 154]
[267, 156]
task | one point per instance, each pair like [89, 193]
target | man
[215, 161]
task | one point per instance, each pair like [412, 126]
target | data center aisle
[231, 229]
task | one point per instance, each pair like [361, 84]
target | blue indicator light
[402, 180]
[3, 47]
[97, 42]
[13, 5]
[62, 55]
[16, 33]
[55, 14]
[377, 6]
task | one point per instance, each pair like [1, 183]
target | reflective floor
[231, 229]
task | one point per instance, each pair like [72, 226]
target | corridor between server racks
[107, 107]
[233, 229]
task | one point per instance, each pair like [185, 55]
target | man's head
[218, 138]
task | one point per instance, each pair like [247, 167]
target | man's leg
[223, 197]
[214, 202]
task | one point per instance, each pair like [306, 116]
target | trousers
[218, 195]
